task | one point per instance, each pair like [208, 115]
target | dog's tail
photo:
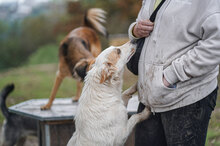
[3, 95]
[94, 18]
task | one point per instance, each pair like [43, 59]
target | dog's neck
[102, 91]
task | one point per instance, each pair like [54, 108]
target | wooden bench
[56, 126]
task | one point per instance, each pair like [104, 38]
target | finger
[143, 34]
[146, 28]
[147, 23]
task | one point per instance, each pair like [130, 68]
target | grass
[35, 82]
[41, 55]
[213, 136]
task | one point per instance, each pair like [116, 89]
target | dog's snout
[134, 41]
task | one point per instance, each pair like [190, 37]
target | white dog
[101, 118]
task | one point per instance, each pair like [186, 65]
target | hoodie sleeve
[130, 30]
[203, 58]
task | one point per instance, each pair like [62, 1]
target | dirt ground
[31, 141]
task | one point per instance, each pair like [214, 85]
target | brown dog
[77, 50]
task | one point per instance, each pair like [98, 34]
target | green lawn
[44, 55]
[36, 81]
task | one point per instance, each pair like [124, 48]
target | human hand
[143, 28]
[165, 82]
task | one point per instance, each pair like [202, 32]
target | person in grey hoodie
[178, 70]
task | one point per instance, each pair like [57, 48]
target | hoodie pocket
[156, 90]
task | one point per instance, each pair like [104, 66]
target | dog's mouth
[131, 54]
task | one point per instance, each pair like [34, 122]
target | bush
[44, 55]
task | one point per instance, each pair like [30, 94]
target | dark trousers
[186, 126]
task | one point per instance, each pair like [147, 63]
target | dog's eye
[118, 51]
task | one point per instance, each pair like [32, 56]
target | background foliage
[22, 37]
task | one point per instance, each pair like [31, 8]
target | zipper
[150, 10]
[158, 19]
[151, 7]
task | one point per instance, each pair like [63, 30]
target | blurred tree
[128, 9]
[9, 48]
[72, 18]
[3, 29]
[20, 38]
[35, 32]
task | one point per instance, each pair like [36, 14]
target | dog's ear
[81, 71]
[107, 72]
[64, 45]
[82, 67]
[90, 62]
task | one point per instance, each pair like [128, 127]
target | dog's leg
[9, 138]
[78, 91]
[59, 79]
[127, 94]
[135, 119]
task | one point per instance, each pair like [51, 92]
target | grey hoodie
[184, 47]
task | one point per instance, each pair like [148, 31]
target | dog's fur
[15, 128]
[101, 118]
[77, 50]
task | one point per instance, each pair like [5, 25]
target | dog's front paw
[45, 107]
[145, 114]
